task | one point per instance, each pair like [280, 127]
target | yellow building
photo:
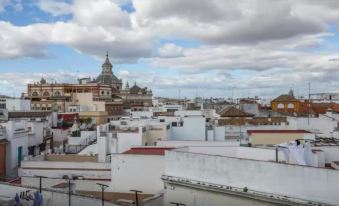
[105, 88]
[287, 103]
[97, 118]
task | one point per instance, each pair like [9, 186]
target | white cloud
[18, 6]
[55, 7]
[11, 83]
[234, 22]
[3, 4]
[255, 37]
[170, 50]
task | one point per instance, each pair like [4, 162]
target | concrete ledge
[252, 194]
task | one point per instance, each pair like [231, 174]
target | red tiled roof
[284, 98]
[148, 150]
[276, 131]
[335, 107]
[234, 112]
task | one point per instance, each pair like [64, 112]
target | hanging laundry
[308, 155]
[297, 151]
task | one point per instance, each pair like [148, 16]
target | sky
[176, 48]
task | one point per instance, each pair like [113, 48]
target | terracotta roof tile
[284, 98]
[148, 150]
[234, 112]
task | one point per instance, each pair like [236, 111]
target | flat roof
[115, 196]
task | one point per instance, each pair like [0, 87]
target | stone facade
[104, 88]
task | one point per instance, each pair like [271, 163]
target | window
[290, 106]
[46, 94]
[57, 94]
[35, 94]
[162, 120]
[281, 106]
[174, 124]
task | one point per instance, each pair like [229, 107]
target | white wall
[324, 125]
[238, 152]
[196, 143]
[202, 197]
[142, 114]
[18, 105]
[194, 128]
[102, 148]
[183, 113]
[83, 184]
[84, 139]
[37, 133]
[309, 183]
[331, 153]
[138, 172]
[16, 139]
[59, 135]
[55, 169]
[128, 139]
[219, 133]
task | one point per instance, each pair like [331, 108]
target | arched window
[57, 93]
[35, 94]
[290, 106]
[281, 106]
[46, 94]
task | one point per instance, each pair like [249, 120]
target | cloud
[55, 7]
[3, 4]
[234, 22]
[170, 50]
[11, 83]
[208, 58]
[15, 4]
[97, 26]
[269, 42]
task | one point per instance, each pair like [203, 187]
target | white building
[17, 147]
[14, 104]
[325, 97]
[244, 176]
[323, 126]
[186, 125]
[27, 133]
[139, 168]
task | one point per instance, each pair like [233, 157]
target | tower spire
[107, 66]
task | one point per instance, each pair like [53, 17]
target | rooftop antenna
[77, 75]
[232, 88]
[309, 102]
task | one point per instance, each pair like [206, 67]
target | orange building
[287, 103]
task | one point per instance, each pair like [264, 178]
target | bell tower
[107, 66]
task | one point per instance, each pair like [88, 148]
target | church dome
[107, 76]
